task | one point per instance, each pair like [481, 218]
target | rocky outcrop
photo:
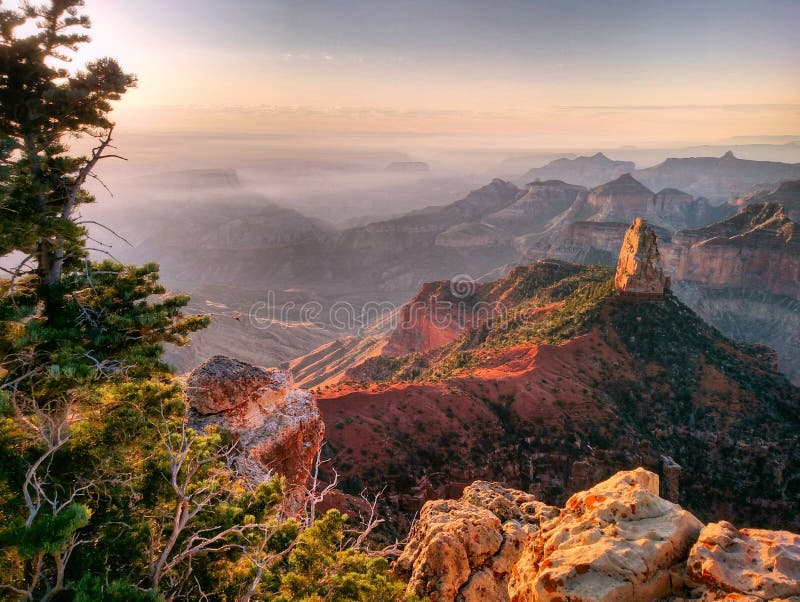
[466, 549]
[741, 274]
[672, 475]
[278, 427]
[728, 563]
[616, 541]
[223, 383]
[639, 272]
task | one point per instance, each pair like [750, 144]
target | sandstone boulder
[616, 541]
[639, 271]
[464, 550]
[278, 427]
[745, 564]
[223, 383]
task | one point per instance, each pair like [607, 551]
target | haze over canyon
[408, 301]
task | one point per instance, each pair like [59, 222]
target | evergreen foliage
[105, 494]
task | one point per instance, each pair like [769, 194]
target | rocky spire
[639, 272]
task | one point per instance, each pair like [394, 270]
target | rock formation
[748, 564]
[786, 194]
[543, 202]
[672, 475]
[639, 272]
[551, 401]
[718, 178]
[757, 248]
[617, 541]
[278, 427]
[465, 549]
[620, 199]
[740, 274]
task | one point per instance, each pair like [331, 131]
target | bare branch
[103, 184]
[371, 522]
[104, 252]
[122, 238]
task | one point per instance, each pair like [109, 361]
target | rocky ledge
[616, 541]
[278, 426]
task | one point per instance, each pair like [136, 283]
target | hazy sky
[616, 70]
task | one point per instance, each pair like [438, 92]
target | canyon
[219, 254]
[569, 383]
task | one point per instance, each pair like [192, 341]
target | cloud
[700, 107]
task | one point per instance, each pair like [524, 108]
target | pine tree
[66, 325]
[105, 493]
[42, 102]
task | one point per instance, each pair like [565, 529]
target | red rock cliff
[758, 248]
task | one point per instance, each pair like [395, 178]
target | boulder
[639, 271]
[617, 541]
[745, 564]
[278, 427]
[223, 383]
[464, 550]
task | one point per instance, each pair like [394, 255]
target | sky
[560, 70]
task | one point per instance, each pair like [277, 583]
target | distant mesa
[586, 171]
[408, 167]
[717, 178]
[639, 272]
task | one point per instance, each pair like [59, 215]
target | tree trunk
[50, 263]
